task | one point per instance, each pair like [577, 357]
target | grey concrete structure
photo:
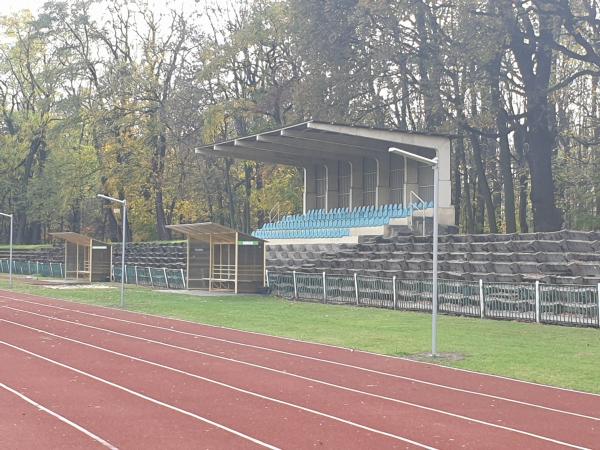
[350, 166]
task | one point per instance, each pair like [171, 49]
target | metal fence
[43, 269]
[151, 276]
[141, 276]
[531, 302]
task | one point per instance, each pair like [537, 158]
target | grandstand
[353, 186]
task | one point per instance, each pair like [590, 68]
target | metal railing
[141, 276]
[412, 206]
[151, 277]
[531, 302]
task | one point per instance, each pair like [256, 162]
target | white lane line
[313, 358]
[395, 400]
[142, 396]
[308, 343]
[225, 385]
[59, 417]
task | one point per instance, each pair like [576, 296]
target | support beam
[287, 151]
[305, 145]
[231, 152]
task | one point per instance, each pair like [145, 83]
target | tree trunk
[484, 187]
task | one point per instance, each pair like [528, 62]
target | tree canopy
[113, 97]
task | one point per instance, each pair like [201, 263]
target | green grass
[560, 356]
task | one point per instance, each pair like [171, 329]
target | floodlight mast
[10, 250]
[124, 203]
[436, 182]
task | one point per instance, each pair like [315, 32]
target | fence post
[394, 292]
[136, 275]
[267, 277]
[324, 288]
[481, 300]
[295, 285]
[166, 278]
[356, 288]
[150, 273]
[183, 278]
[598, 305]
[537, 301]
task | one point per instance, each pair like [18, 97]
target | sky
[12, 6]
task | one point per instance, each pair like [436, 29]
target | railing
[530, 302]
[43, 269]
[412, 203]
[275, 213]
[151, 276]
[141, 276]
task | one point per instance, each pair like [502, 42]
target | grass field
[560, 356]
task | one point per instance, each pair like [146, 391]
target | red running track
[107, 378]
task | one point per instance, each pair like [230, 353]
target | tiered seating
[335, 223]
[565, 257]
[151, 254]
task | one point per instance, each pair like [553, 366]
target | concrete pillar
[332, 185]
[383, 179]
[356, 186]
[309, 188]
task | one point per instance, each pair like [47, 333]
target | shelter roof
[75, 238]
[204, 231]
[320, 142]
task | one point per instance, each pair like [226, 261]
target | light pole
[10, 250]
[436, 182]
[124, 203]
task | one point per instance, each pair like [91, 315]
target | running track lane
[375, 413]
[547, 423]
[24, 424]
[117, 417]
[307, 349]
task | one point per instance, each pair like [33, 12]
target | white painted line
[142, 396]
[312, 380]
[225, 385]
[314, 344]
[59, 417]
[313, 358]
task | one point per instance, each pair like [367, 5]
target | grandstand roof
[75, 238]
[203, 231]
[318, 142]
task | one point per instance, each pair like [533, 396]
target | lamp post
[10, 250]
[436, 181]
[124, 204]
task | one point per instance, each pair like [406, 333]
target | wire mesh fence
[35, 268]
[532, 302]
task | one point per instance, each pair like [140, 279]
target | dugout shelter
[86, 259]
[221, 258]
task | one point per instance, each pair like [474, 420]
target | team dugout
[221, 258]
[86, 259]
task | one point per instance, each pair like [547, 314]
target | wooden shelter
[221, 258]
[86, 259]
